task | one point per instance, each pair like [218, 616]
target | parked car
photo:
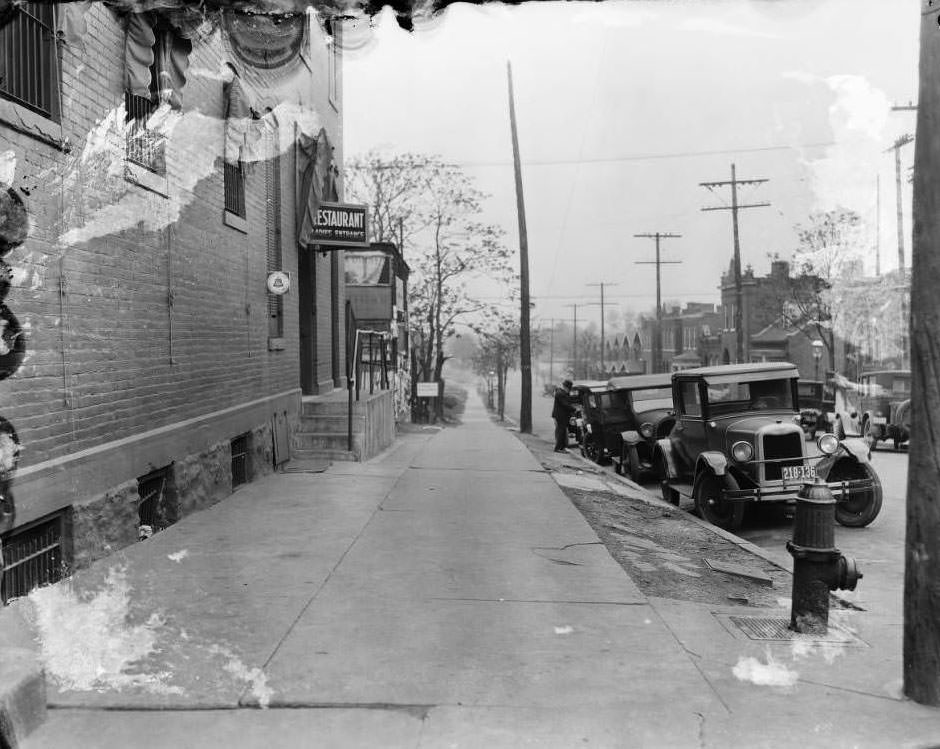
[602, 418]
[885, 406]
[817, 401]
[737, 439]
[576, 424]
[647, 403]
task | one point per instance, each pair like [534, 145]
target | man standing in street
[561, 413]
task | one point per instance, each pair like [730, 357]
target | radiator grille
[787, 449]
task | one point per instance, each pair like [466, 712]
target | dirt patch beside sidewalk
[662, 549]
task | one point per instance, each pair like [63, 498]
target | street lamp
[817, 355]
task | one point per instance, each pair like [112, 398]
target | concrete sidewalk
[446, 593]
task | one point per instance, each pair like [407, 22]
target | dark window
[34, 555]
[691, 405]
[152, 505]
[240, 460]
[234, 181]
[29, 65]
[147, 147]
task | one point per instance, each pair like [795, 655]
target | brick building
[161, 157]
[683, 331]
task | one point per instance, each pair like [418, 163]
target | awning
[316, 176]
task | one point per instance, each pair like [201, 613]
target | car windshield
[645, 400]
[760, 395]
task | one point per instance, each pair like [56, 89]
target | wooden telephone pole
[574, 342]
[741, 355]
[603, 304]
[525, 348]
[922, 553]
[658, 338]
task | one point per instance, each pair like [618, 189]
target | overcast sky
[623, 108]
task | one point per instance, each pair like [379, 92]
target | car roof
[724, 373]
[589, 384]
[637, 382]
[876, 372]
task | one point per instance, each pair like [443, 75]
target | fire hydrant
[818, 567]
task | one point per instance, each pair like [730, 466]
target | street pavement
[443, 594]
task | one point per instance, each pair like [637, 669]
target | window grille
[234, 186]
[33, 555]
[152, 489]
[147, 147]
[29, 64]
[240, 460]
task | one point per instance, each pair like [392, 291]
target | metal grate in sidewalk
[770, 628]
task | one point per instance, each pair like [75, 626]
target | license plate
[796, 473]
[878, 420]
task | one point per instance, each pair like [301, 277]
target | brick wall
[143, 307]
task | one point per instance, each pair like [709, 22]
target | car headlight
[742, 451]
[827, 443]
[646, 429]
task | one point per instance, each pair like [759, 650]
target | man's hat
[566, 384]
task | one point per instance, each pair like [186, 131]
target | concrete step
[328, 440]
[324, 454]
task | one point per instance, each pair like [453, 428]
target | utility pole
[574, 341]
[741, 353]
[878, 225]
[551, 353]
[525, 348]
[921, 648]
[898, 145]
[602, 285]
[658, 338]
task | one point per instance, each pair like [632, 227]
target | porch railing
[367, 362]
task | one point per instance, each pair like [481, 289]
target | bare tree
[439, 211]
[813, 298]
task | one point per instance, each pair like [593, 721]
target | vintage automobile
[816, 402]
[594, 407]
[579, 394]
[737, 439]
[885, 406]
[647, 402]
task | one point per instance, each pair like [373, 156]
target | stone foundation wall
[108, 522]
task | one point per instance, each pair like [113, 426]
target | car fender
[852, 449]
[664, 448]
[717, 462]
[630, 437]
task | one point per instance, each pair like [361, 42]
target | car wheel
[633, 465]
[711, 507]
[590, 450]
[868, 436]
[861, 507]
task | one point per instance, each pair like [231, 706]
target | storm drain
[778, 628]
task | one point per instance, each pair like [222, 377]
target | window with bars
[239, 460]
[152, 491]
[147, 147]
[33, 555]
[234, 186]
[29, 63]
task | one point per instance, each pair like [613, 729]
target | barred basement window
[34, 555]
[151, 489]
[29, 65]
[234, 185]
[240, 460]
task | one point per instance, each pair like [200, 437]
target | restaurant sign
[340, 224]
